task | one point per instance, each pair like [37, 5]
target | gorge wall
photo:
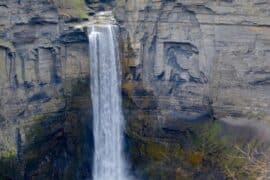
[194, 74]
[45, 96]
[196, 78]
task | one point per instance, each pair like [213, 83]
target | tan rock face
[199, 53]
[184, 62]
[195, 60]
[44, 77]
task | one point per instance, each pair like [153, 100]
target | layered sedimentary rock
[44, 93]
[186, 62]
[189, 51]
[195, 77]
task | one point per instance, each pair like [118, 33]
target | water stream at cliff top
[108, 118]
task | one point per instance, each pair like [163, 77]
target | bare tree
[257, 164]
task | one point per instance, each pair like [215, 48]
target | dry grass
[257, 164]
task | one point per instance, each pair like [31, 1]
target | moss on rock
[155, 151]
[71, 8]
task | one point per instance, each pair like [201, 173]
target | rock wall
[187, 64]
[195, 84]
[44, 93]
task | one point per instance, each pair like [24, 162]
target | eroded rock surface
[186, 62]
[44, 94]
[195, 82]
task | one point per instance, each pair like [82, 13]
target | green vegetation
[71, 8]
[155, 151]
[221, 152]
[8, 153]
[195, 158]
[36, 129]
[8, 164]
[202, 148]
[210, 153]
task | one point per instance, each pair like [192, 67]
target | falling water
[106, 97]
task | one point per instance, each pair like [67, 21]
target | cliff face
[194, 54]
[44, 93]
[185, 64]
[195, 84]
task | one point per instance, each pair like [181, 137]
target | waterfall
[106, 98]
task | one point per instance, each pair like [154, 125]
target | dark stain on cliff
[42, 96]
[73, 37]
[60, 145]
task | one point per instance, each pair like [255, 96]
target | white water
[106, 98]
